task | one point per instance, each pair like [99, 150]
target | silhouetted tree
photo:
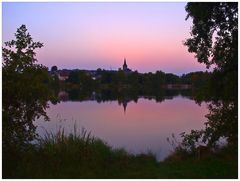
[54, 68]
[214, 40]
[196, 79]
[171, 78]
[74, 77]
[81, 78]
[214, 20]
[25, 89]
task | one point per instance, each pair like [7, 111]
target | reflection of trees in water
[222, 122]
[123, 97]
[109, 95]
[222, 119]
[222, 116]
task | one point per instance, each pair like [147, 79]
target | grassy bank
[83, 156]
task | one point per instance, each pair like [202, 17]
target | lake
[138, 126]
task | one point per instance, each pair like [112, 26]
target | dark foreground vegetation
[83, 156]
[27, 89]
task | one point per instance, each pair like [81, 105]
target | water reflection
[123, 98]
[136, 123]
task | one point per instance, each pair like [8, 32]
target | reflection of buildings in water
[63, 96]
[177, 86]
[124, 102]
[169, 97]
[124, 106]
[93, 96]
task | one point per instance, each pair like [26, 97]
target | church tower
[125, 68]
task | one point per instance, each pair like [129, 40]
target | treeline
[146, 81]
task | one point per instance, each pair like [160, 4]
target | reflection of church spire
[124, 106]
[123, 101]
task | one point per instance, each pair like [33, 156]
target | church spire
[125, 65]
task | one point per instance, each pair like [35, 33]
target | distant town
[170, 83]
[64, 73]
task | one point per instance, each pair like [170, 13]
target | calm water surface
[140, 127]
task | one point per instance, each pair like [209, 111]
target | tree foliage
[214, 34]
[214, 40]
[25, 89]
[54, 68]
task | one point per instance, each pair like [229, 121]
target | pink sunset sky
[99, 35]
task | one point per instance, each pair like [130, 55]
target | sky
[100, 35]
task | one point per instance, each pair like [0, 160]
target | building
[63, 75]
[125, 67]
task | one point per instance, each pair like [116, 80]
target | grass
[83, 156]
